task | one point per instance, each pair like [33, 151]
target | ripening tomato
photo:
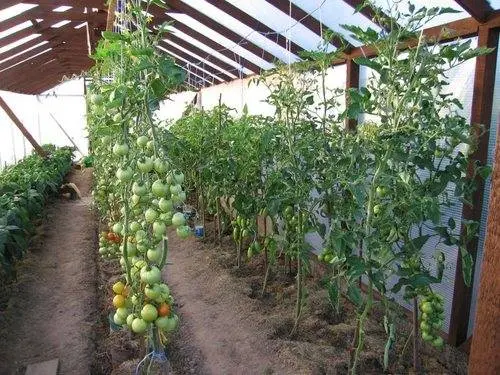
[163, 309]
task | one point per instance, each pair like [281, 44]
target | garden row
[376, 195]
[24, 188]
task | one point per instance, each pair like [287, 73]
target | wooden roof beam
[478, 9]
[182, 7]
[205, 40]
[307, 20]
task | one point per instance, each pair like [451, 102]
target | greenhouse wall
[66, 103]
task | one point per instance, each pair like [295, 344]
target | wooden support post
[21, 127]
[352, 82]
[485, 352]
[111, 15]
[482, 102]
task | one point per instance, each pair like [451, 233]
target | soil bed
[236, 331]
[51, 308]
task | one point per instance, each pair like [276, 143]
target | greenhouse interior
[249, 187]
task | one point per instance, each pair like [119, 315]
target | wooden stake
[21, 127]
[111, 15]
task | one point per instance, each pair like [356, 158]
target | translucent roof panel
[209, 50]
[495, 4]
[173, 54]
[281, 22]
[15, 29]
[19, 42]
[222, 40]
[23, 52]
[27, 59]
[202, 59]
[445, 18]
[333, 13]
[15, 10]
[241, 29]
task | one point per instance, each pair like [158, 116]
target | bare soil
[51, 308]
[227, 327]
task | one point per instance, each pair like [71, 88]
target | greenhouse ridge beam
[479, 9]
[254, 24]
[21, 127]
[482, 105]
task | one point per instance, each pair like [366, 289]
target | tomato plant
[138, 189]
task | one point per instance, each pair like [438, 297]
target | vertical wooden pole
[352, 82]
[482, 103]
[485, 352]
[111, 15]
[21, 127]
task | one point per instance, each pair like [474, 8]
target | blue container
[199, 231]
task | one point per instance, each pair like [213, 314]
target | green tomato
[381, 191]
[140, 235]
[165, 205]
[152, 292]
[139, 325]
[159, 188]
[134, 226]
[167, 324]
[150, 215]
[179, 177]
[178, 219]
[183, 231]
[424, 326]
[154, 255]
[175, 189]
[139, 189]
[377, 209]
[118, 320]
[142, 141]
[130, 319]
[117, 228]
[427, 308]
[120, 149]
[427, 337]
[124, 174]
[149, 313]
[150, 275]
[159, 229]
[160, 166]
[145, 165]
[122, 312]
[438, 342]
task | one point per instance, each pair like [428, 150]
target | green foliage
[24, 188]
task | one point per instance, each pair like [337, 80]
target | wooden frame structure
[33, 68]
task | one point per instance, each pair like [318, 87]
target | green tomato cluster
[431, 319]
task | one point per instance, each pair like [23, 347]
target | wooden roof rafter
[478, 9]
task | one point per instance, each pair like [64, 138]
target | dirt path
[52, 309]
[216, 318]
